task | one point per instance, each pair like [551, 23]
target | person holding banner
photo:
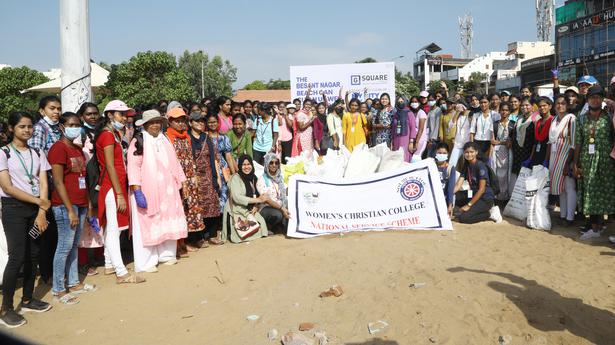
[403, 126]
[242, 206]
[354, 125]
[481, 196]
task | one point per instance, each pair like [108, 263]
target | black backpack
[93, 178]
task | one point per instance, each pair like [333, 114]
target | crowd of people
[180, 177]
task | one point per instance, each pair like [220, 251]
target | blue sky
[263, 38]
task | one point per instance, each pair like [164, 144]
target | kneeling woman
[271, 184]
[480, 194]
[243, 204]
[155, 178]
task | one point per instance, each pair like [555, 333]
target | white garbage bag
[392, 160]
[537, 196]
[361, 162]
[334, 163]
[517, 206]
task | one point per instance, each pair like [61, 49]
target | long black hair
[14, 119]
[463, 163]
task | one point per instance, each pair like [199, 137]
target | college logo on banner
[411, 189]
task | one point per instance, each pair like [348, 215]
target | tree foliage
[149, 77]
[12, 82]
[213, 77]
[366, 60]
[436, 86]
[405, 85]
[277, 84]
[475, 82]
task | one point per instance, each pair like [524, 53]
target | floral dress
[223, 145]
[190, 193]
[382, 117]
[597, 184]
[210, 203]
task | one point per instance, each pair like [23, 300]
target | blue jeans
[65, 258]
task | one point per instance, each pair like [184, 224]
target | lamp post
[75, 54]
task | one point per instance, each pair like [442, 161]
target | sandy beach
[482, 284]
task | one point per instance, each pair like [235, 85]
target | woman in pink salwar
[155, 178]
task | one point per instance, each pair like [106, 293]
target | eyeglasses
[274, 163]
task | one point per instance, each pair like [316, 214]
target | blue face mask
[441, 157]
[72, 133]
[88, 125]
[443, 107]
[117, 125]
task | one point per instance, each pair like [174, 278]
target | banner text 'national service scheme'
[408, 198]
[378, 78]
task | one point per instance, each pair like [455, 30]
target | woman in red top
[70, 204]
[112, 204]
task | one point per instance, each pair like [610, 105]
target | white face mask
[441, 157]
[50, 121]
[414, 105]
[117, 125]
[431, 103]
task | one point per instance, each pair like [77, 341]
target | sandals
[84, 288]
[215, 241]
[191, 249]
[129, 278]
[92, 271]
[67, 299]
[109, 271]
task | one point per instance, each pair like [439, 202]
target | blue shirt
[473, 174]
[264, 134]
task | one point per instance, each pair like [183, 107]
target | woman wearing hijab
[155, 177]
[242, 206]
[403, 126]
[275, 212]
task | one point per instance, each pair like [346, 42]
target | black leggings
[17, 219]
[287, 150]
[274, 219]
[477, 213]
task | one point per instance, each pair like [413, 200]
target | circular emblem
[411, 190]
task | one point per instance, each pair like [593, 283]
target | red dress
[107, 138]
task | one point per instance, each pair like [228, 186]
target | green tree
[475, 82]
[149, 77]
[256, 85]
[12, 82]
[436, 85]
[208, 78]
[405, 85]
[366, 60]
[278, 84]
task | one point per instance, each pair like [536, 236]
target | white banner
[408, 198]
[378, 78]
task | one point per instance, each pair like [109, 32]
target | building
[585, 40]
[269, 96]
[507, 73]
[428, 66]
[537, 71]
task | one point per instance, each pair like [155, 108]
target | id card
[82, 182]
[470, 194]
[538, 147]
[592, 149]
[35, 190]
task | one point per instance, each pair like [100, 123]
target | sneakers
[590, 234]
[35, 306]
[11, 319]
[612, 239]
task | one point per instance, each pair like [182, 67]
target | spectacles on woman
[274, 163]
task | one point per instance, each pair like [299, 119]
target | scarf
[541, 132]
[522, 125]
[173, 134]
[157, 154]
[558, 128]
[249, 180]
[277, 179]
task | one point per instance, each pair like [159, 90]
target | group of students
[180, 177]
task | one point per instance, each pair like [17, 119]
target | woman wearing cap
[561, 148]
[592, 164]
[112, 197]
[177, 132]
[155, 178]
[243, 204]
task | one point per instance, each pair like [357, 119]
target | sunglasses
[274, 163]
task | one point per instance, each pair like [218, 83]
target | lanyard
[484, 122]
[23, 164]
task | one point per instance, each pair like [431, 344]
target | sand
[481, 282]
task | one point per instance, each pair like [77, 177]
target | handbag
[246, 227]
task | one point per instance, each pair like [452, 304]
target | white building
[506, 72]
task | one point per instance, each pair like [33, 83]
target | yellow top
[354, 127]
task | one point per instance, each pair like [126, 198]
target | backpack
[93, 179]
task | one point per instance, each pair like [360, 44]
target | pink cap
[612, 81]
[116, 105]
[424, 94]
